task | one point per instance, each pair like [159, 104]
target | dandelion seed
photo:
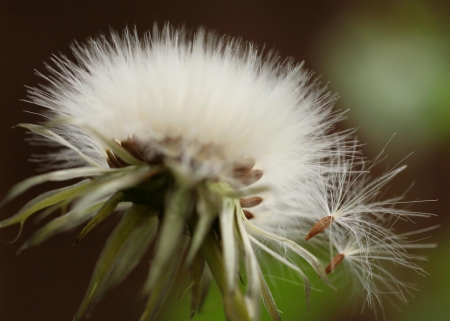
[367, 265]
[319, 227]
[251, 201]
[350, 198]
[334, 263]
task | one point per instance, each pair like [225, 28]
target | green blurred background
[388, 60]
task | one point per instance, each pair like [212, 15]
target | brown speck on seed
[334, 262]
[250, 202]
[320, 227]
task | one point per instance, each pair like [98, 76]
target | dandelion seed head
[223, 155]
[204, 100]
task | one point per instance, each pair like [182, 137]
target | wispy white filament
[217, 99]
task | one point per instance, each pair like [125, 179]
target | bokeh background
[388, 60]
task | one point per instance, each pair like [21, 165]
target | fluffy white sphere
[207, 101]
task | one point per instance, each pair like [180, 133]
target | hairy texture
[209, 101]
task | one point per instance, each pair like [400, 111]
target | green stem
[234, 303]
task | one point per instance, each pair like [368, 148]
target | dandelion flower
[210, 149]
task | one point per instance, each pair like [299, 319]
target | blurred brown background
[390, 63]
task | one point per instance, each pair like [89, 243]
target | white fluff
[202, 89]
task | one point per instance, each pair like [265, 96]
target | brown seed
[320, 227]
[251, 177]
[334, 262]
[248, 215]
[243, 167]
[251, 201]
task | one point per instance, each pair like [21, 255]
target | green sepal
[107, 184]
[61, 207]
[60, 175]
[179, 207]
[152, 188]
[120, 253]
[60, 224]
[229, 244]
[161, 288]
[205, 285]
[268, 300]
[198, 265]
[234, 302]
[252, 268]
[64, 223]
[107, 208]
[186, 290]
[306, 282]
[45, 200]
[207, 211]
[133, 250]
